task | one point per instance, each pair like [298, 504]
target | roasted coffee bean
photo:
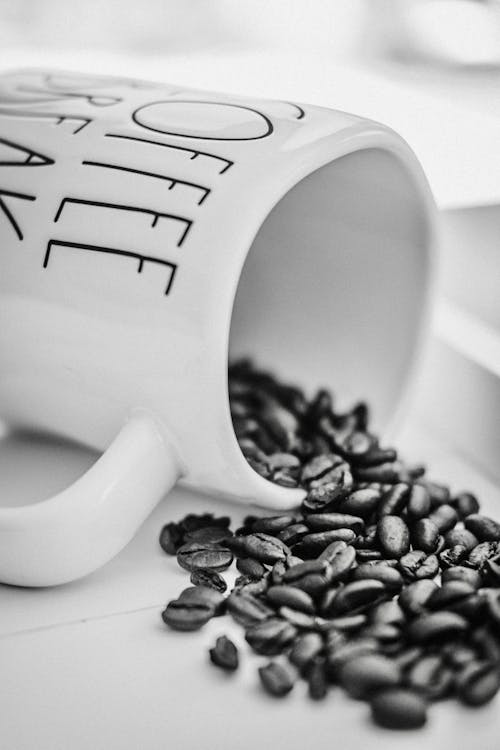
[417, 564]
[390, 577]
[484, 528]
[186, 615]
[316, 680]
[449, 594]
[376, 457]
[429, 627]
[369, 673]
[250, 567]
[264, 548]
[195, 555]
[346, 624]
[323, 498]
[338, 656]
[332, 521]
[208, 535]
[209, 578]
[430, 677]
[386, 634]
[393, 536]
[311, 545]
[272, 525]
[478, 683]
[413, 598]
[281, 461]
[358, 444]
[312, 576]
[224, 654]
[354, 595]
[399, 708]
[201, 594]
[250, 586]
[361, 503]
[461, 537]
[452, 556]
[304, 650]
[425, 535]
[458, 655]
[461, 573]
[290, 596]
[194, 521]
[386, 473]
[394, 500]
[419, 502]
[445, 517]
[388, 613]
[320, 465]
[277, 680]
[466, 504]
[270, 637]
[300, 620]
[368, 555]
[171, 538]
[409, 656]
[368, 539]
[439, 493]
[247, 609]
[293, 533]
[480, 554]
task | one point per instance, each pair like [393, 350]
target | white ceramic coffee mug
[147, 233]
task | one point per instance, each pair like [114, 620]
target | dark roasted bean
[439, 493]
[390, 577]
[449, 594]
[484, 551]
[466, 504]
[339, 655]
[394, 500]
[194, 521]
[369, 673]
[272, 525]
[204, 595]
[346, 624]
[461, 537]
[419, 502]
[413, 598]
[281, 461]
[250, 586]
[445, 517]
[484, 528]
[305, 648]
[384, 633]
[491, 571]
[224, 654]
[478, 683]
[293, 533]
[368, 555]
[399, 708]
[301, 620]
[171, 538]
[452, 556]
[276, 679]
[316, 680]
[250, 567]
[425, 535]
[320, 465]
[416, 565]
[461, 573]
[208, 535]
[354, 595]
[312, 545]
[247, 609]
[323, 498]
[428, 627]
[376, 457]
[384, 473]
[270, 637]
[290, 596]
[264, 548]
[312, 576]
[388, 613]
[361, 503]
[331, 521]
[186, 615]
[430, 677]
[195, 555]
[393, 536]
[210, 578]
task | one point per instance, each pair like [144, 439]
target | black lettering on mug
[4, 208]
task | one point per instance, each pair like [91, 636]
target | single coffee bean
[445, 517]
[376, 457]
[290, 596]
[368, 539]
[331, 521]
[195, 555]
[323, 498]
[272, 525]
[250, 586]
[250, 567]
[419, 502]
[171, 538]
[480, 554]
[461, 537]
[478, 683]
[369, 673]
[413, 598]
[319, 465]
[466, 504]
[293, 533]
[385, 634]
[425, 535]
[312, 576]
[300, 620]
[271, 636]
[194, 521]
[394, 500]
[338, 656]
[311, 545]
[224, 654]
[449, 594]
[264, 547]
[417, 564]
[361, 503]
[209, 578]
[186, 616]
[208, 535]
[354, 595]
[452, 556]
[277, 680]
[429, 627]
[316, 680]
[399, 708]
[339, 475]
[484, 528]
[247, 609]
[368, 555]
[201, 594]
[345, 624]
[304, 650]
[461, 573]
[390, 577]
[430, 677]
[387, 473]
[439, 493]
[393, 536]
[388, 613]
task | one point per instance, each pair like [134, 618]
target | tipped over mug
[148, 233]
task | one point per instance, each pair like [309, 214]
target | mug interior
[334, 288]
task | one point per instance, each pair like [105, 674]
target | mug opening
[334, 289]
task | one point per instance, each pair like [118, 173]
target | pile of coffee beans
[382, 582]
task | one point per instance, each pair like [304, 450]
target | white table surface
[90, 666]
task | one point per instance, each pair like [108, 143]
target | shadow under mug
[151, 232]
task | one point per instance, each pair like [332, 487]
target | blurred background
[428, 68]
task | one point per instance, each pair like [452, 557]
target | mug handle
[78, 530]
